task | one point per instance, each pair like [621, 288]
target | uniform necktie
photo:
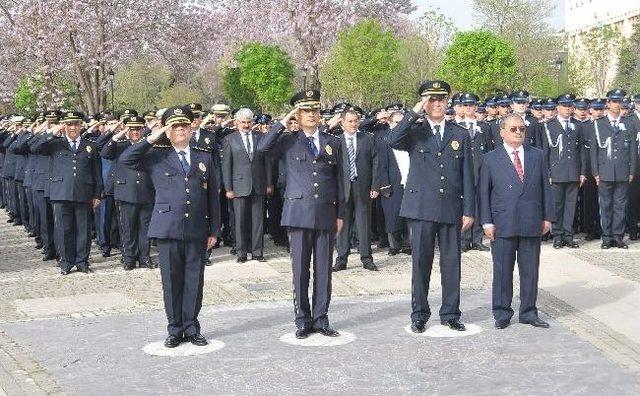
[518, 165]
[437, 135]
[248, 143]
[353, 172]
[74, 146]
[471, 128]
[183, 161]
[312, 146]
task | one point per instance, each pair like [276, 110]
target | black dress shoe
[417, 326]
[39, 245]
[259, 258]
[557, 244]
[172, 341]
[143, 264]
[369, 265]
[537, 322]
[85, 270]
[633, 236]
[466, 248]
[152, 264]
[106, 253]
[49, 256]
[502, 324]
[233, 251]
[393, 252]
[129, 266]
[198, 340]
[65, 272]
[328, 332]
[383, 245]
[208, 262]
[406, 251]
[621, 244]
[339, 266]
[10, 220]
[605, 245]
[570, 243]
[303, 332]
[31, 234]
[454, 324]
[242, 259]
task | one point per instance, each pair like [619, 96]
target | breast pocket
[297, 161]
[456, 157]
[168, 177]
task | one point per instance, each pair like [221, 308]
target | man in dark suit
[133, 193]
[481, 143]
[246, 175]
[613, 163]
[75, 189]
[565, 157]
[313, 208]
[185, 220]
[360, 186]
[516, 209]
[439, 200]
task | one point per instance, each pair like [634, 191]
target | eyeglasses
[521, 129]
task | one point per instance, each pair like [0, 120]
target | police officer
[481, 143]
[76, 187]
[133, 193]
[185, 220]
[313, 208]
[520, 103]
[565, 157]
[439, 200]
[633, 203]
[9, 172]
[613, 162]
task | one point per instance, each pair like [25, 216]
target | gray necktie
[248, 143]
[437, 135]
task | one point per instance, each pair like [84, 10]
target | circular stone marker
[184, 349]
[440, 331]
[318, 340]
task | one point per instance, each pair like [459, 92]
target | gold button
[441, 165]
[441, 191]
[74, 175]
[439, 154]
[316, 196]
[441, 177]
[186, 215]
[74, 161]
[186, 179]
[315, 184]
[74, 168]
[186, 190]
[315, 173]
[137, 181]
[188, 202]
[314, 161]
[138, 173]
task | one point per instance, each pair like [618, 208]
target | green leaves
[480, 62]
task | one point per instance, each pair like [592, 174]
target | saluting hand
[420, 105]
[156, 133]
[288, 117]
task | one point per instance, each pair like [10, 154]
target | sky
[461, 12]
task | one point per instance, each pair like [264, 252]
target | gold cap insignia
[89, 149]
[329, 150]
[202, 167]
[436, 85]
[69, 114]
[177, 111]
[455, 145]
[309, 94]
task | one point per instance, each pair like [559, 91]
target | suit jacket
[130, 185]
[568, 166]
[621, 163]
[440, 182]
[75, 176]
[9, 168]
[242, 175]
[186, 207]
[515, 208]
[366, 166]
[313, 194]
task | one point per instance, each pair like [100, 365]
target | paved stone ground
[84, 334]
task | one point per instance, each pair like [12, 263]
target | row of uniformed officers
[140, 178]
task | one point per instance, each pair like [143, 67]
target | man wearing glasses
[516, 208]
[438, 201]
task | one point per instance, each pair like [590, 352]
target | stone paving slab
[56, 306]
[101, 355]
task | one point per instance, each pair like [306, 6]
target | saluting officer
[613, 161]
[633, 205]
[565, 157]
[185, 220]
[481, 143]
[133, 193]
[439, 200]
[313, 207]
[75, 189]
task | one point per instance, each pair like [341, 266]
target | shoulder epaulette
[200, 149]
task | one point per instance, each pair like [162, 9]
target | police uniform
[563, 146]
[481, 143]
[613, 159]
[186, 212]
[9, 173]
[633, 203]
[313, 202]
[134, 194]
[438, 193]
[75, 181]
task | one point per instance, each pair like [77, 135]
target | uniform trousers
[306, 243]
[134, 228]
[45, 211]
[182, 273]
[249, 224]
[423, 240]
[72, 230]
[613, 204]
[566, 198]
[505, 252]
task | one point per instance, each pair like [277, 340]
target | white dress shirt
[71, 142]
[355, 140]
[187, 155]
[243, 138]
[316, 139]
[441, 123]
[510, 151]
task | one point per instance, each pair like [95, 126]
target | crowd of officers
[62, 180]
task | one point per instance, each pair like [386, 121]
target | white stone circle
[318, 340]
[184, 349]
[440, 331]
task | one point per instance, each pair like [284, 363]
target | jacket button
[441, 165]
[314, 162]
[186, 179]
[74, 175]
[138, 173]
[441, 191]
[74, 168]
[316, 196]
[186, 215]
[315, 184]
[137, 181]
[188, 202]
[186, 190]
[315, 173]
[441, 177]
[439, 154]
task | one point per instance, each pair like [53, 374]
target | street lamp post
[111, 77]
[559, 66]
